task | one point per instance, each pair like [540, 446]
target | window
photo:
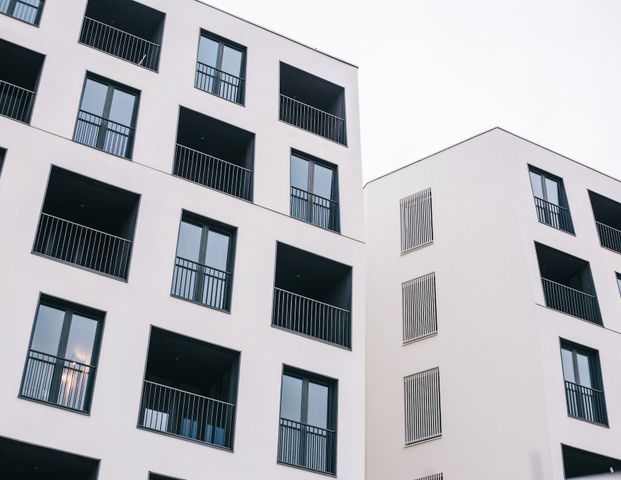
[419, 307]
[2, 154]
[416, 221]
[607, 213]
[618, 281]
[20, 70]
[204, 265]
[126, 29]
[312, 104]
[568, 284]
[63, 353]
[28, 11]
[220, 67]
[583, 383]
[307, 435]
[21, 461]
[107, 116]
[437, 476]
[550, 200]
[314, 192]
[422, 406]
[190, 389]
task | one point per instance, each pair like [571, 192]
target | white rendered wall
[109, 433]
[503, 403]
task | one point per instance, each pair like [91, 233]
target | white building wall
[109, 433]
[503, 403]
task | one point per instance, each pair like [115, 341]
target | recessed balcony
[312, 296]
[87, 223]
[126, 29]
[607, 215]
[586, 465]
[312, 104]
[20, 70]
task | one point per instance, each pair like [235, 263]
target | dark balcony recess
[20, 69]
[190, 389]
[312, 103]
[583, 464]
[28, 11]
[214, 154]
[568, 284]
[23, 461]
[126, 29]
[607, 215]
[312, 296]
[87, 223]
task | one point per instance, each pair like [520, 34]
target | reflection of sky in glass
[317, 405]
[48, 329]
[291, 398]
[299, 173]
[568, 365]
[189, 241]
[208, 51]
[322, 181]
[81, 339]
[122, 108]
[231, 61]
[217, 250]
[94, 97]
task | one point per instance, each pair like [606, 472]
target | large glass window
[107, 117]
[307, 421]
[62, 358]
[28, 11]
[204, 265]
[550, 200]
[314, 192]
[583, 383]
[220, 67]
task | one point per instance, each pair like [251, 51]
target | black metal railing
[569, 300]
[586, 403]
[222, 84]
[213, 172]
[57, 380]
[311, 317]
[314, 209]
[119, 43]
[201, 283]
[83, 246]
[16, 102]
[312, 119]
[307, 446]
[103, 134]
[28, 11]
[184, 414]
[609, 237]
[554, 215]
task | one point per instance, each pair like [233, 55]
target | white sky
[434, 72]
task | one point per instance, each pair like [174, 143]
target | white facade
[109, 432]
[497, 347]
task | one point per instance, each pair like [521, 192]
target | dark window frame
[563, 200]
[111, 85]
[334, 189]
[70, 308]
[10, 12]
[222, 42]
[207, 225]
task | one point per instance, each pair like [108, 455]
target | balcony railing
[28, 11]
[609, 237]
[212, 172]
[314, 209]
[57, 380]
[119, 43]
[312, 119]
[586, 403]
[222, 84]
[307, 446]
[554, 215]
[571, 301]
[202, 284]
[104, 134]
[184, 414]
[311, 318]
[83, 246]
[16, 102]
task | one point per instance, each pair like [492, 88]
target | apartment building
[493, 319]
[182, 256]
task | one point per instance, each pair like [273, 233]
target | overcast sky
[434, 72]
